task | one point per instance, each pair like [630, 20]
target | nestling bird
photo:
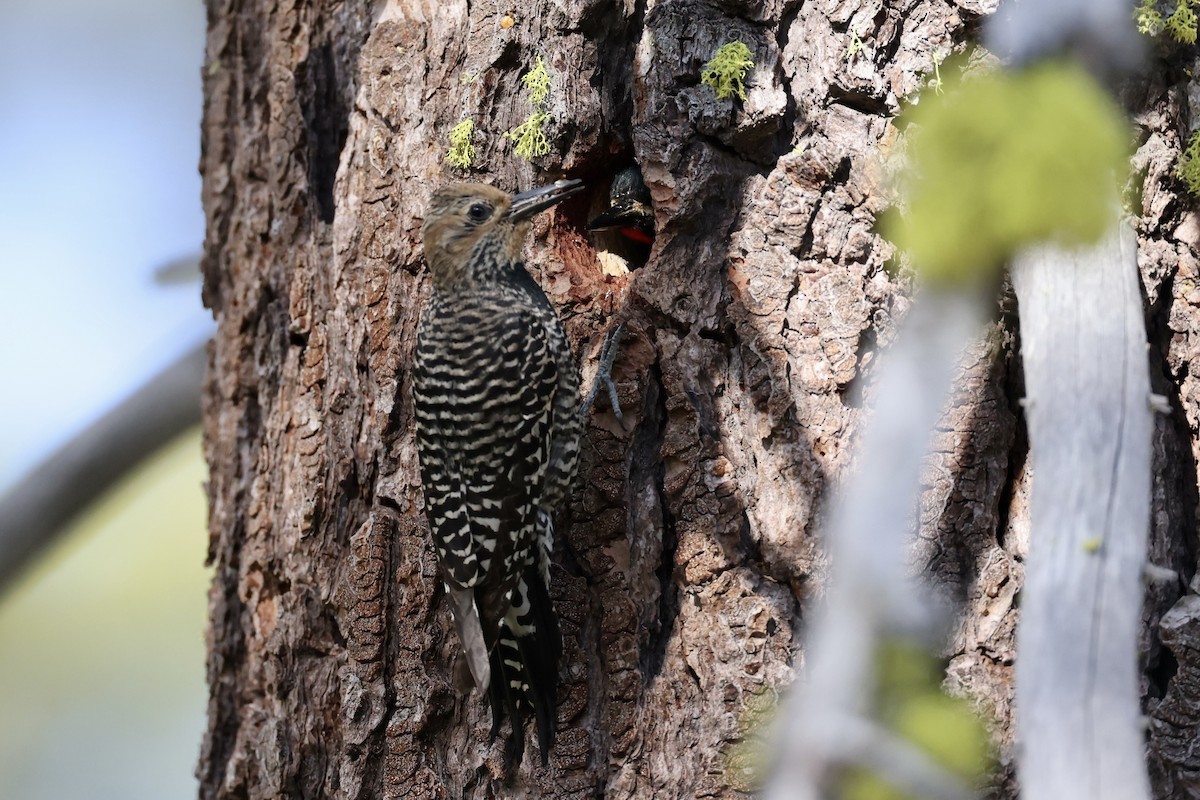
[630, 214]
[629, 211]
[496, 396]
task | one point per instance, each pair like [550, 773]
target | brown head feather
[460, 216]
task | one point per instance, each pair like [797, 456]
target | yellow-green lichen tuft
[529, 140]
[856, 46]
[462, 152]
[727, 69]
[1148, 18]
[1007, 159]
[1180, 25]
[537, 83]
[1188, 168]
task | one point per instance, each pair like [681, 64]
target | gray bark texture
[688, 556]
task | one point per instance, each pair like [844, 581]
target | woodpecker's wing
[484, 383]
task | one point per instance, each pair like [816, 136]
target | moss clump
[1004, 160]
[529, 140]
[727, 69]
[462, 152]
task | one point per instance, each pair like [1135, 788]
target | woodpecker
[496, 398]
[629, 211]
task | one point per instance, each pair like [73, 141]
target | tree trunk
[688, 556]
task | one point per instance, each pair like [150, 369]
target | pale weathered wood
[1083, 343]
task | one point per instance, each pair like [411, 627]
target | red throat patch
[637, 235]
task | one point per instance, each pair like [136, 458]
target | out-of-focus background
[102, 689]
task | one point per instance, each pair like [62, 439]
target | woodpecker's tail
[524, 667]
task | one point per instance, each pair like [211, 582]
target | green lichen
[856, 46]
[727, 69]
[1188, 168]
[1004, 160]
[462, 152]
[529, 138]
[537, 83]
[936, 83]
[1148, 18]
[1180, 25]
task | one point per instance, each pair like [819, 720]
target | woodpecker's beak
[526, 204]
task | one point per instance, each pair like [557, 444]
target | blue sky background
[100, 108]
[102, 690]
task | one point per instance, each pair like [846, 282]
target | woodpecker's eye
[478, 212]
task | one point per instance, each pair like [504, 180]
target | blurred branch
[185, 269]
[871, 595]
[1088, 408]
[51, 494]
[1100, 33]
[1083, 342]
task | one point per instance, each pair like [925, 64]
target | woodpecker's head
[472, 228]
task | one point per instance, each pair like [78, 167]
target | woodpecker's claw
[608, 354]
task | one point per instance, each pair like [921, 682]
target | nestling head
[461, 216]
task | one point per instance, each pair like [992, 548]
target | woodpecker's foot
[608, 354]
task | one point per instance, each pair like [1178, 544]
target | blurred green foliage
[1006, 159]
[910, 703]
[102, 645]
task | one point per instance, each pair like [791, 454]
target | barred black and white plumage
[496, 392]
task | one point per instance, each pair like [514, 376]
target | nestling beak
[526, 204]
[624, 213]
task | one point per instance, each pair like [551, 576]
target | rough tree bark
[688, 553]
